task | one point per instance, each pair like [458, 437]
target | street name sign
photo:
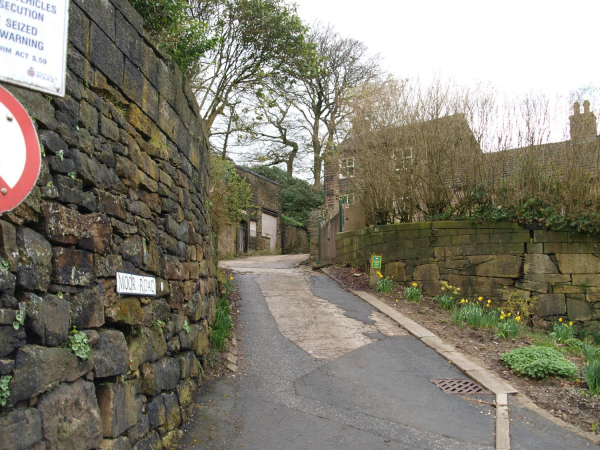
[131, 284]
[19, 153]
[33, 44]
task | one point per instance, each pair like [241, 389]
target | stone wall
[295, 239]
[121, 188]
[560, 268]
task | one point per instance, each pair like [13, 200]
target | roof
[257, 175]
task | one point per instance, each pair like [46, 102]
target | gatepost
[374, 270]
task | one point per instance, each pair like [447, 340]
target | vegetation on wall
[229, 195]
[169, 22]
[298, 197]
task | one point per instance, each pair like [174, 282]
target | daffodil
[509, 314]
[488, 305]
[560, 320]
[415, 284]
[518, 318]
[489, 301]
[443, 288]
[397, 300]
[501, 317]
[462, 300]
[479, 298]
[570, 324]
[231, 278]
[458, 289]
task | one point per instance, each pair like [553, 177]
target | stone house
[451, 139]
[261, 230]
[445, 142]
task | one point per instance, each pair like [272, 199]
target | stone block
[396, 271]
[537, 264]
[125, 311]
[426, 272]
[582, 263]
[120, 406]
[139, 430]
[150, 442]
[173, 414]
[110, 355]
[87, 308]
[533, 286]
[9, 250]
[185, 392]
[171, 439]
[72, 267]
[147, 346]
[550, 278]
[501, 266]
[533, 247]
[121, 443]
[66, 226]
[10, 339]
[550, 305]
[37, 106]
[6, 366]
[71, 417]
[162, 375]
[189, 366]
[157, 414]
[35, 260]
[48, 318]
[7, 282]
[21, 428]
[578, 309]
[106, 56]
[59, 366]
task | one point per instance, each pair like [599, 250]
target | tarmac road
[321, 369]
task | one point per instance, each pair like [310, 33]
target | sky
[516, 46]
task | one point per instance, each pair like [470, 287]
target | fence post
[319, 243]
[341, 214]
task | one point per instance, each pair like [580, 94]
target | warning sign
[33, 44]
[19, 153]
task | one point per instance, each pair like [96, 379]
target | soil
[568, 400]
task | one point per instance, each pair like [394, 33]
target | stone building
[451, 135]
[261, 230]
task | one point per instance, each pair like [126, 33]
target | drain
[460, 387]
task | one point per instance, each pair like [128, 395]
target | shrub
[384, 284]
[413, 293]
[591, 375]
[78, 344]
[539, 362]
[220, 332]
[573, 342]
[561, 332]
[4, 391]
[508, 328]
[518, 306]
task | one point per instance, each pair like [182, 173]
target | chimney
[584, 126]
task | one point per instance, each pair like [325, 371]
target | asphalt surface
[298, 388]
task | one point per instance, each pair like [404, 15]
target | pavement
[321, 368]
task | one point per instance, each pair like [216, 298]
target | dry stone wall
[122, 188]
[561, 268]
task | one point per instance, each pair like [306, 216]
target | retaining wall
[561, 268]
[122, 188]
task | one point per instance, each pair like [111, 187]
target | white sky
[518, 46]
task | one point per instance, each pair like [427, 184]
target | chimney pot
[576, 108]
[586, 107]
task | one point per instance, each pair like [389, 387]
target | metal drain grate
[460, 387]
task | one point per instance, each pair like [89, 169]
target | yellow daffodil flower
[560, 320]
[462, 300]
[570, 324]
[230, 278]
[518, 318]
[397, 300]
[489, 301]
[479, 298]
[415, 284]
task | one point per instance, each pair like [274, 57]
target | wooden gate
[328, 232]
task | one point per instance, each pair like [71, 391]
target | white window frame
[347, 200]
[345, 164]
[404, 159]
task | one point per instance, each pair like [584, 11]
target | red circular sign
[19, 153]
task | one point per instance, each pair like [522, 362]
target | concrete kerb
[488, 380]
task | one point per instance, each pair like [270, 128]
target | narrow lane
[321, 370]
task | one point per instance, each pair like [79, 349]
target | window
[347, 168]
[253, 228]
[404, 159]
[347, 200]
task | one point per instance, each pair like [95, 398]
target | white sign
[19, 153]
[130, 284]
[33, 44]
